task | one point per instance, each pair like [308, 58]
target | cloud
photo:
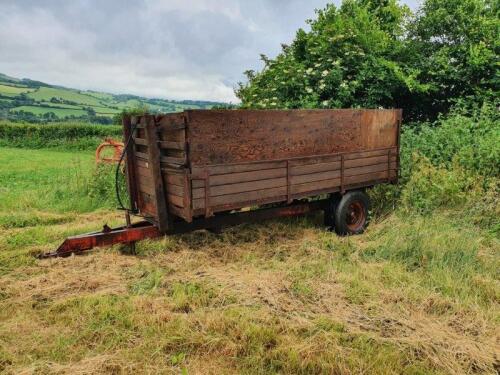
[179, 49]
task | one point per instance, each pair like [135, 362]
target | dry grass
[283, 297]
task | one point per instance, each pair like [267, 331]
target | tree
[456, 45]
[376, 53]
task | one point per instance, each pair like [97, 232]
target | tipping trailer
[203, 169]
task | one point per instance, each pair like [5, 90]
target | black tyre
[352, 213]
[329, 213]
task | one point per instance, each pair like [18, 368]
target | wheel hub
[356, 216]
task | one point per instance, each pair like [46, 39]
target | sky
[175, 49]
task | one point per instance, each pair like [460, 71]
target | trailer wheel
[352, 213]
[329, 212]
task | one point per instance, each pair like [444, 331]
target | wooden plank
[314, 160]
[171, 121]
[174, 179]
[368, 161]
[174, 136]
[178, 201]
[177, 211]
[367, 177]
[175, 189]
[367, 169]
[313, 168]
[241, 198]
[236, 168]
[236, 206]
[142, 155]
[172, 145]
[288, 182]
[140, 141]
[240, 187]
[233, 178]
[187, 197]
[314, 177]
[146, 186]
[171, 127]
[160, 191]
[316, 185]
[130, 166]
[144, 172]
[368, 153]
[142, 163]
[148, 207]
[173, 160]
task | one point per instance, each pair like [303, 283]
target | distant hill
[33, 101]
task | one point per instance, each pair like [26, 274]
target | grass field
[59, 112]
[46, 93]
[34, 98]
[415, 294]
[13, 90]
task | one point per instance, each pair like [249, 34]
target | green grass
[59, 112]
[8, 90]
[416, 294]
[47, 93]
[37, 184]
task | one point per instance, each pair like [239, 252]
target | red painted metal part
[117, 148]
[142, 230]
[106, 237]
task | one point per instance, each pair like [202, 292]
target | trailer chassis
[131, 233]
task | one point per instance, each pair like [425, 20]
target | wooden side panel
[239, 185]
[214, 161]
[173, 161]
[143, 178]
[170, 145]
[225, 137]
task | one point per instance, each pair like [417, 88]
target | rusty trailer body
[202, 162]
[200, 168]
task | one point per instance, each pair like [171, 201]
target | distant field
[65, 102]
[46, 93]
[12, 90]
[59, 112]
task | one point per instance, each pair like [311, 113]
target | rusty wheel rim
[355, 216]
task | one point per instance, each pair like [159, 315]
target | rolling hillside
[33, 101]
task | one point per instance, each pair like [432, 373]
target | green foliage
[449, 163]
[135, 111]
[470, 139]
[430, 188]
[100, 186]
[455, 48]
[70, 135]
[375, 53]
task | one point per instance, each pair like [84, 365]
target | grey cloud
[181, 49]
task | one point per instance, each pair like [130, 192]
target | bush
[468, 196]
[469, 138]
[71, 136]
[429, 187]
